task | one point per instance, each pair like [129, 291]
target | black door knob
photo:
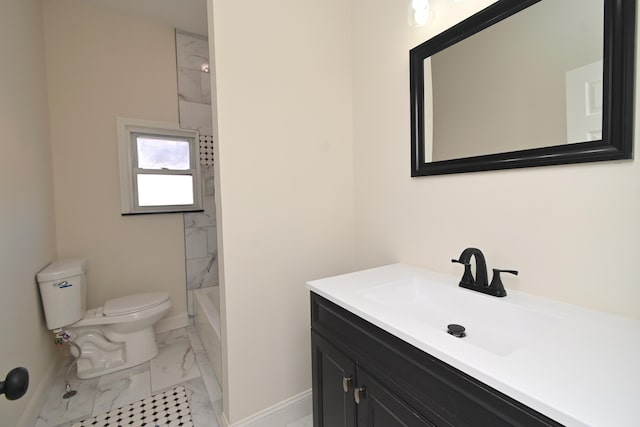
[16, 384]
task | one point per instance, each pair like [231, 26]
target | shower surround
[194, 104]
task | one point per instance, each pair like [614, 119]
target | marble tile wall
[194, 91]
[194, 88]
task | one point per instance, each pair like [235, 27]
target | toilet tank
[63, 290]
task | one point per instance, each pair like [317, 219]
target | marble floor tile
[181, 361]
[58, 410]
[217, 411]
[202, 413]
[170, 337]
[121, 388]
[115, 376]
[176, 363]
[194, 339]
[72, 422]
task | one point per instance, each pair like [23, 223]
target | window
[159, 167]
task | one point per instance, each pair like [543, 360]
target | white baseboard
[278, 415]
[174, 322]
[39, 397]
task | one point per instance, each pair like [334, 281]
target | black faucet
[480, 283]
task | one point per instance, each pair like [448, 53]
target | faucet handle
[467, 277]
[496, 287]
[498, 270]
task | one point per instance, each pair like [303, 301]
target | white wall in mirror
[503, 89]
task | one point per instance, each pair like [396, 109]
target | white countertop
[583, 372]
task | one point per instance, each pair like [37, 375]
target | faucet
[480, 282]
[481, 268]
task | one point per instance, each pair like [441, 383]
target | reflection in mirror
[511, 77]
[525, 83]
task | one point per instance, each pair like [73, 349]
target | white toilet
[113, 337]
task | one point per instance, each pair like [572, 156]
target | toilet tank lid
[62, 268]
[132, 303]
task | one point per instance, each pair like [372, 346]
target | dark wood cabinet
[365, 377]
[345, 389]
[378, 406]
[333, 380]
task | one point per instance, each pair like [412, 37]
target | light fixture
[419, 12]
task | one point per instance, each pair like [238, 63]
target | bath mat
[170, 408]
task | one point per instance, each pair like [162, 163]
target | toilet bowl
[126, 324]
[113, 337]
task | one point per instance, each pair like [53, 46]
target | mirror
[525, 83]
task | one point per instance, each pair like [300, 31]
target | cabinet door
[378, 407]
[333, 381]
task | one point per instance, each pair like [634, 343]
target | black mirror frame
[618, 96]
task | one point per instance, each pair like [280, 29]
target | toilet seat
[133, 303]
[130, 308]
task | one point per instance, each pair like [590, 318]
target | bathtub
[206, 307]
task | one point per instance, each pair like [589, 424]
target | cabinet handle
[359, 393]
[346, 383]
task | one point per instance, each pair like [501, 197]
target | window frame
[128, 131]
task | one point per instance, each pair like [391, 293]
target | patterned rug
[170, 408]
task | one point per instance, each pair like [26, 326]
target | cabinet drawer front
[436, 390]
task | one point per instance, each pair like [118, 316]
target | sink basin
[538, 351]
[493, 324]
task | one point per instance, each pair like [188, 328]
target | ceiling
[186, 15]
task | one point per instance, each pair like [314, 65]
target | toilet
[113, 337]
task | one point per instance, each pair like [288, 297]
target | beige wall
[511, 78]
[572, 231]
[27, 232]
[285, 185]
[99, 66]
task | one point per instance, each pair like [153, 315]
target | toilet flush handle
[62, 285]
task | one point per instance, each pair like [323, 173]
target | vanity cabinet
[364, 376]
[337, 405]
